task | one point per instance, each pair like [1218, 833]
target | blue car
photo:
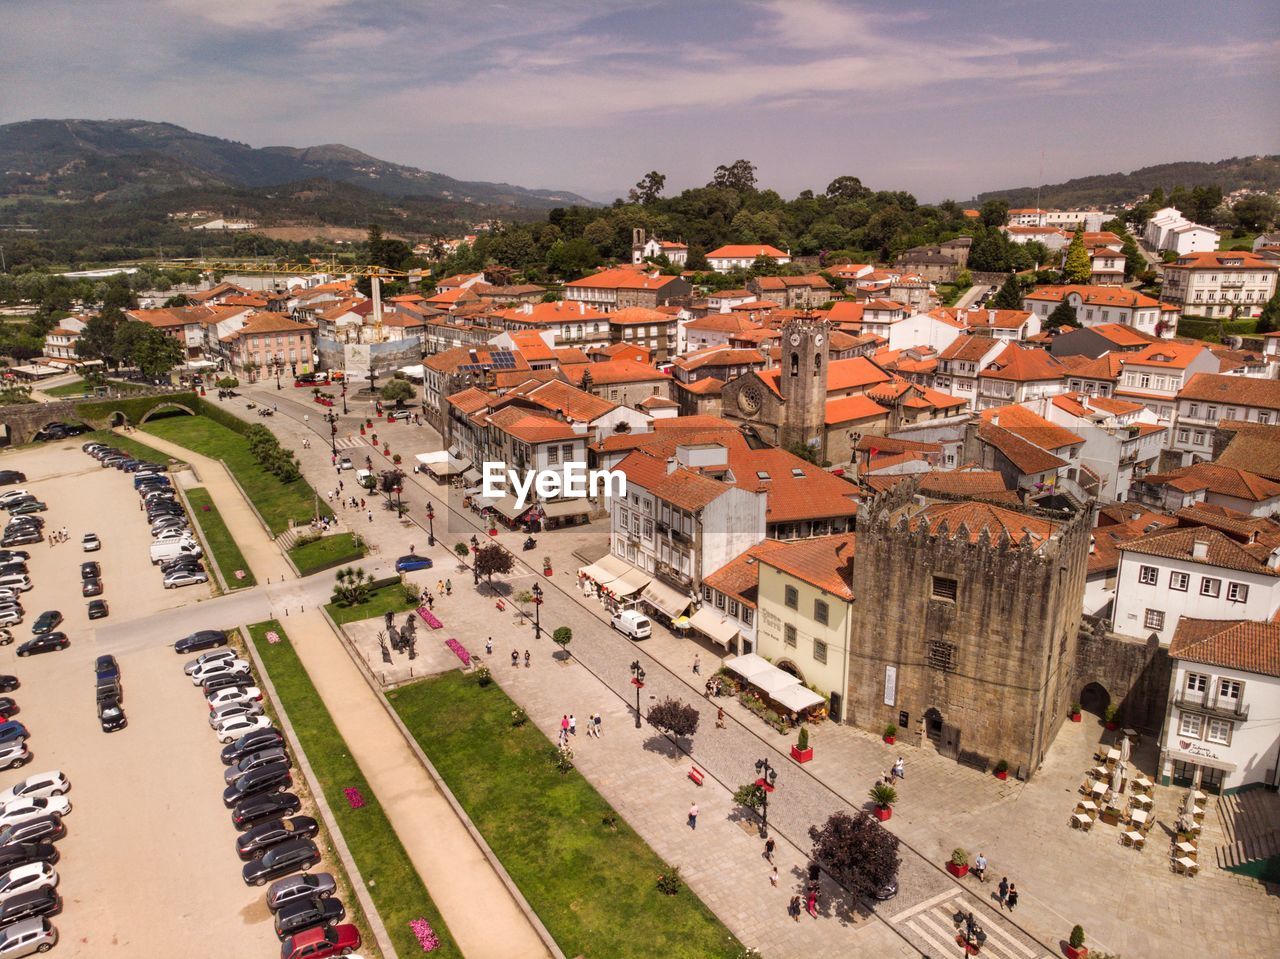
[407, 564]
[12, 731]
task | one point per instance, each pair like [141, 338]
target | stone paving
[432, 658]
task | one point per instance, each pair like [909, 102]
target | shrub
[227, 383]
[562, 758]
[1077, 937]
[883, 795]
[1109, 714]
[462, 549]
[751, 796]
[483, 676]
[1075, 709]
[802, 741]
[519, 717]
[959, 857]
[1002, 766]
[411, 593]
[669, 882]
[891, 730]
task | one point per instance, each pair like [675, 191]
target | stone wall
[1133, 673]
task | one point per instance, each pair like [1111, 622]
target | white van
[632, 623]
[19, 582]
[168, 549]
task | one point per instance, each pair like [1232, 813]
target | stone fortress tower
[805, 359]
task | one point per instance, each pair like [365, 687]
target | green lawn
[81, 387]
[277, 502]
[226, 553]
[326, 552]
[1229, 242]
[381, 600]
[126, 445]
[594, 887]
[389, 876]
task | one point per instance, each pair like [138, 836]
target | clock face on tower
[817, 340]
[795, 339]
[749, 400]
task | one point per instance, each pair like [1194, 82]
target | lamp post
[475, 558]
[332, 419]
[637, 680]
[766, 777]
[431, 525]
[344, 396]
[279, 365]
[537, 611]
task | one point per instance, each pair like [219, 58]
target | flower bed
[459, 650]
[429, 617]
[354, 799]
[273, 637]
[426, 935]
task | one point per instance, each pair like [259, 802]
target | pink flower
[426, 935]
[273, 636]
[460, 651]
[354, 799]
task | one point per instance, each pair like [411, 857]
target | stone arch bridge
[18, 424]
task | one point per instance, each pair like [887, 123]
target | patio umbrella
[1125, 748]
[1189, 806]
[1118, 777]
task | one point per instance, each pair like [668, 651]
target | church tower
[637, 245]
[806, 352]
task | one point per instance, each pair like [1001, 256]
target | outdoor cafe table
[1100, 789]
[1143, 801]
[1082, 820]
[1142, 782]
[1186, 848]
[1139, 816]
[1200, 797]
[1134, 836]
[1113, 755]
[1088, 805]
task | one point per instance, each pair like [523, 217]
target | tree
[740, 176]
[1269, 319]
[397, 391]
[649, 188]
[562, 637]
[570, 259]
[1010, 295]
[994, 213]
[675, 718]
[1204, 200]
[352, 586]
[1255, 212]
[750, 796]
[494, 558]
[97, 340]
[857, 851]
[1134, 262]
[14, 395]
[154, 353]
[846, 188]
[1064, 314]
[1077, 268]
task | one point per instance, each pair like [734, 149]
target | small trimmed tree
[675, 718]
[1064, 314]
[397, 391]
[750, 796]
[562, 637]
[1077, 268]
[352, 586]
[857, 851]
[493, 558]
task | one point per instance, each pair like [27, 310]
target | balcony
[1223, 707]
[673, 533]
[672, 576]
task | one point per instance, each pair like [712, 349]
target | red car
[321, 943]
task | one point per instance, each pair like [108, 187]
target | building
[742, 256]
[1121, 440]
[1033, 216]
[197, 328]
[573, 323]
[642, 249]
[1088, 220]
[1219, 732]
[1219, 284]
[931, 263]
[1093, 342]
[1096, 307]
[270, 338]
[1053, 238]
[1156, 375]
[792, 292]
[961, 362]
[728, 613]
[60, 342]
[654, 330]
[1106, 266]
[1168, 229]
[625, 286]
[620, 381]
[1213, 483]
[1019, 374]
[1032, 454]
[1209, 398]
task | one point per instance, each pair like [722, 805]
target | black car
[249, 743]
[182, 562]
[14, 555]
[253, 843]
[111, 715]
[301, 914]
[47, 828]
[108, 691]
[204, 639]
[8, 707]
[48, 643]
[39, 902]
[46, 622]
[106, 669]
[9, 683]
[21, 853]
[259, 809]
[223, 680]
[22, 537]
[98, 609]
[90, 570]
[266, 779]
[296, 855]
[9, 477]
[91, 587]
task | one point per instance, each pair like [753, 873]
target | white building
[1030, 216]
[1196, 572]
[1222, 284]
[1121, 439]
[1209, 398]
[1088, 220]
[1156, 375]
[1168, 229]
[1220, 731]
[1096, 306]
[742, 256]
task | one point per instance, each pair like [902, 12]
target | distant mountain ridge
[130, 159]
[1112, 189]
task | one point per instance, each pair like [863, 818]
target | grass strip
[277, 502]
[124, 444]
[225, 550]
[395, 886]
[588, 875]
[85, 388]
[326, 552]
[382, 600]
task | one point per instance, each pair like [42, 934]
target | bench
[696, 775]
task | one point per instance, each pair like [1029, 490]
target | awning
[719, 629]
[450, 467]
[597, 574]
[471, 476]
[566, 507]
[631, 582]
[774, 681]
[747, 665]
[1211, 763]
[796, 698]
[426, 459]
[506, 505]
[614, 567]
[663, 597]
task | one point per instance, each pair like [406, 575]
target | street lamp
[475, 558]
[766, 777]
[344, 396]
[637, 680]
[537, 611]
[279, 365]
[431, 525]
[332, 419]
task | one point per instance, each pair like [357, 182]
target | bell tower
[806, 352]
[637, 245]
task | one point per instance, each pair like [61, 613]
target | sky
[944, 99]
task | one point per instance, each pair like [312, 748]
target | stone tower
[637, 245]
[806, 351]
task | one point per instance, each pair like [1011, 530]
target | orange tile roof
[470, 400]
[963, 483]
[561, 311]
[1222, 551]
[970, 349]
[718, 356]
[1232, 390]
[822, 561]
[1224, 480]
[983, 319]
[1032, 427]
[1094, 296]
[1073, 403]
[995, 520]
[797, 489]
[639, 315]
[1027, 458]
[531, 345]
[577, 405]
[1222, 260]
[1024, 365]
[707, 386]
[1177, 356]
[745, 250]
[532, 427]
[186, 315]
[621, 278]
[723, 323]
[848, 409]
[273, 323]
[614, 371]
[786, 282]
[739, 578]
[850, 373]
[681, 487]
[1106, 367]
[1246, 645]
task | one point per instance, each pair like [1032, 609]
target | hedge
[135, 408]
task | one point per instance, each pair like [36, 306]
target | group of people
[569, 726]
[58, 536]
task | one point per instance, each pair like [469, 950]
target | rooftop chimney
[582, 307]
[671, 464]
[1200, 549]
[1093, 546]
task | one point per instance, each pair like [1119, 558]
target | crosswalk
[343, 443]
[932, 926]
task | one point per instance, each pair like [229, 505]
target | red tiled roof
[1024, 365]
[977, 517]
[1027, 458]
[822, 561]
[1031, 427]
[851, 373]
[1249, 646]
[1222, 551]
[847, 409]
[742, 250]
[1225, 480]
[614, 371]
[1232, 390]
[681, 487]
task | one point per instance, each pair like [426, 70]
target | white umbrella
[1118, 777]
[1189, 807]
[1125, 748]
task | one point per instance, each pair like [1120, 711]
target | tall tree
[740, 175]
[857, 851]
[994, 213]
[1269, 319]
[1076, 267]
[157, 353]
[674, 717]
[97, 340]
[1010, 295]
[1204, 200]
[1134, 262]
[846, 188]
[649, 188]
[1063, 314]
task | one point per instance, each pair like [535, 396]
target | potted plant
[1111, 816]
[1002, 769]
[1075, 712]
[396, 459]
[386, 449]
[1109, 715]
[362, 429]
[890, 732]
[1076, 948]
[802, 752]
[546, 566]
[884, 796]
[958, 864]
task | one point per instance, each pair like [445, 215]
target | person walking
[515, 659]
[793, 908]
[693, 816]
[697, 665]
[1013, 897]
[439, 586]
[811, 905]
[448, 587]
[596, 723]
[488, 646]
[720, 717]
[773, 877]
[980, 867]
[573, 725]
[1003, 890]
[564, 728]
[526, 659]
[370, 516]
[768, 849]
[899, 769]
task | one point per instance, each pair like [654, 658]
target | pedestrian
[980, 867]
[773, 877]
[793, 908]
[526, 659]
[1013, 897]
[329, 496]
[65, 534]
[720, 720]
[1003, 890]
[306, 418]
[448, 587]
[693, 816]
[515, 659]
[341, 487]
[573, 725]
[768, 849]
[370, 516]
[439, 586]
[811, 904]
[697, 665]
[596, 722]
[899, 769]
[488, 646]
[362, 502]
[431, 601]
[564, 727]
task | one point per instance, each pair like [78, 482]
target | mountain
[1113, 189]
[128, 159]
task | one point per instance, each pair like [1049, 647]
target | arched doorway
[118, 419]
[787, 666]
[933, 724]
[1094, 699]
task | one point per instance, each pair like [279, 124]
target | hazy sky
[942, 98]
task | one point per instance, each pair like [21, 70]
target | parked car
[254, 842]
[183, 577]
[91, 587]
[203, 639]
[226, 681]
[52, 783]
[109, 690]
[27, 507]
[46, 622]
[21, 537]
[48, 643]
[27, 937]
[8, 683]
[233, 694]
[262, 807]
[190, 563]
[251, 743]
[90, 570]
[229, 711]
[407, 564]
[6, 636]
[7, 706]
[302, 914]
[26, 905]
[32, 875]
[98, 609]
[296, 855]
[41, 829]
[12, 730]
[312, 885]
[33, 807]
[106, 669]
[212, 656]
[19, 854]
[263, 757]
[14, 754]
[321, 943]
[111, 715]
[265, 779]
[217, 667]
[10, 615]
[90, 543]
[9, 477]
[9, 555]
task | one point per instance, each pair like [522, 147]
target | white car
[220, 667]
[90, 543]
[212, 656]
[14, 754]
[28, 878]
[228, 711]
[23, 938]
[233, 729]
[182, 577]
[33, 807]
[10, 616]
[177, 532]
[8, 496]
[234, 694]
[39, 784]
[6, 637]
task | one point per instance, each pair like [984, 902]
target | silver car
[212, 656]
[292, 888]
[263, 757]
[27, 937]
[221, 714]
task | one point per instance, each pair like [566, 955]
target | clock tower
[806, 351]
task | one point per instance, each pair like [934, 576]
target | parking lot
[148, 866]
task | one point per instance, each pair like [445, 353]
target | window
[944, 587]
[1199, 437]
[819, 650]
[821, 612]
[1183, 436]
[1147, 575]
[624, 520]
[1229, 689]
[1179, 581]
[789, 635]
[1190, 725]
[1219, 732]
[942, 656]
[747, 615]
[648, 529]
[1237, 592]
[1264, 416]
[706, 591]
[733, 607]
[719, 600]
[553, 455]
[1210, 586]
[791, 597]
[1197, 682]
[1154, 619]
